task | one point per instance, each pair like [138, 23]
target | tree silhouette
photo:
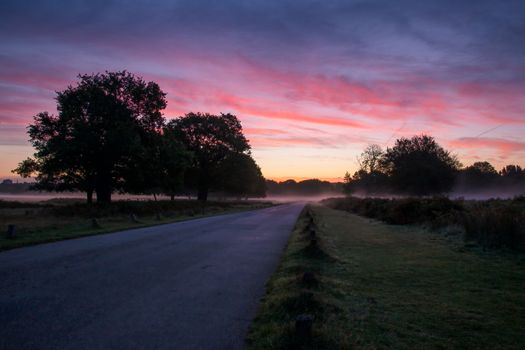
[101, 127]
[512, 176]
[512, 171]
[211, 138]
[370, 159]
[239, 175]
[478, 175]
[160, 166]
[303, 188]
[370, 176]
[419, 165]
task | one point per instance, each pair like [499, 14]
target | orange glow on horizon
[298, 179]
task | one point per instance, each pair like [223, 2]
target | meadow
[372, 285]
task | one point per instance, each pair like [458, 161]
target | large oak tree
[103, 124]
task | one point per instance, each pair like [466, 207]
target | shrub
[494, 224]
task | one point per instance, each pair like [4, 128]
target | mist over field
[488, 194]
[278, 198]
[456, 194]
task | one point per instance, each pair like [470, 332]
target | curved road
[187, 285]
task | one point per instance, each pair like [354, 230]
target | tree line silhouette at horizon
[110, 136]
[420, 166]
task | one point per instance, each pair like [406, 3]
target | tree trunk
[202, 193]
[155, 196]
[89, 194]
[103, 187]
[172, 197]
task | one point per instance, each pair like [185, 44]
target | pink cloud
[270, 99]
[265, 142]
[250, 106]
[504, 147]
[263, 131]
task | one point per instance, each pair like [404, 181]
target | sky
[313, 82]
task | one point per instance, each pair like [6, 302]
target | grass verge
[64, 219]
[398, 287]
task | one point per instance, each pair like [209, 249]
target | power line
[395, 132]
[489, 130]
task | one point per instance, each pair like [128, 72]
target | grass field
[63, 219]
[379, 286]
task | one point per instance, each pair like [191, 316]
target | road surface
[188, 285]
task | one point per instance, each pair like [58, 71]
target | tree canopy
[370, 176]
[109, 135]
[477, 175]
[238, 174]
[419, 165]
[370, 159]
[103, 124]
[211, 139]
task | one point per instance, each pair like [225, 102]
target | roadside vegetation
[491, 224]
[63, 219]
[375, 286]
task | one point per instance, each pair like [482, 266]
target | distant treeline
[14, 187]
[305, 187]
[110, 136]
[419, 166]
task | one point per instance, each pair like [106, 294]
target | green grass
[58, 220]
[396, 287]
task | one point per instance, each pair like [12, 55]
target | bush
[400, 211]
[495, 224]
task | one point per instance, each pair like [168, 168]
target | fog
[277, 198]
[503, 193]
[455, 194]
[41, 197]
[284, 198]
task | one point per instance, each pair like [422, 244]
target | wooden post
[309, 278]
[94, 223]
[10, 234]
[133, 218]
[303, 326]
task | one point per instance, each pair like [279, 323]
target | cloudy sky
[313, 82]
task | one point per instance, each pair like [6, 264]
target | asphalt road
[188, 285]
